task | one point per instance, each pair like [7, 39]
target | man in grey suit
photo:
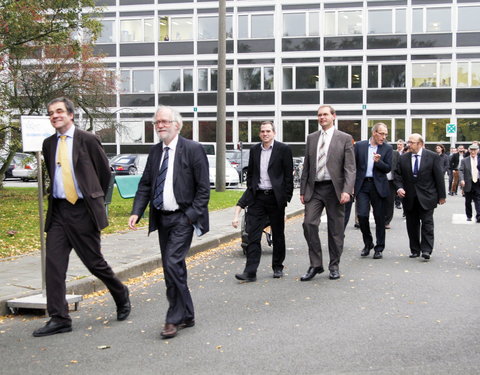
[469, 181]
[327, 181]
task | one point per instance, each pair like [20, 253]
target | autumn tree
[46, 51]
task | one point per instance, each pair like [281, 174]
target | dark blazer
[191, 183]
[465, 171]
[280, 171]
[92, 172]
[380, 169]
[395, 157]
[454, 160]
[428, 187]
[340, 164]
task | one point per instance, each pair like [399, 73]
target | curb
[91, 284]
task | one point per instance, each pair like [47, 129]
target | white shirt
[371, 150]
[58, 189]
[169, 201]
[265, 154]
[328, 134]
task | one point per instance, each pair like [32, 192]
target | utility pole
[221, 98]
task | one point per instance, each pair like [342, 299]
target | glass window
[287, 78]
[372, 76]
[202, 79]
[294, 24]
[313, 23]
[417, 20]
[336, 76]
[352, 127]
[393, 75]
[148, 30]
[356, 77]
[132, 132]
[329, 26]
[187, 80]
[169, 80]
[379, 21]
[149, 132]
[468, 74]
[108, 32]
[163, 24]
[125, 80]
[268, 78]
[214, 79]
[424, 75]
[351, 22]
[313, 126]
[208, 27]
[243, 131]
[475, 74]
[399, 129]
[445, 75]
[182, 28]
[400, 21]
[207, 131]
[435, 130]
[468, 129]
[468, 18]
[294, 131]
[105, 131]
[187, 130]
[262, 26]
[255, 131]
[249, 79]
[438, 20]
[417, 126]
[306, 77]
[142, 81]
[243, 26]
[139, 30]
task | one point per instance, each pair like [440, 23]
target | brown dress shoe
[169, 330]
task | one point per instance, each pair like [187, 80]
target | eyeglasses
[163, 122]
[411, 143]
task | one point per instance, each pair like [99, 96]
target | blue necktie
[160, 182]
[415, 166]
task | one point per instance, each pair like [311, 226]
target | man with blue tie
[176, 184]
[419, 181]
[373, 160]
[80, 174]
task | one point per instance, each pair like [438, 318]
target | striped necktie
[160, 182]
[62, 159]
[321, 158]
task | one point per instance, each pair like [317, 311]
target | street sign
[451, 130]
[34, 130]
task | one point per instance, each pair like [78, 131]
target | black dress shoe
[377, 255]
[334, 275]
[246, 277]
[366, 250]
[123, 310]
[52, 327]
[414, 255]
[169, 331]
[312, 271]
[469, 219]
[278, 273]
[187, 323]
[426, 256]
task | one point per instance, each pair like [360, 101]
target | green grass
[20, 225]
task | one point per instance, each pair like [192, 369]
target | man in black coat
[270, 179]
[470, 183]
[420, 182]
[79, 175]
[176, 184]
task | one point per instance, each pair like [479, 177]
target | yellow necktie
[474, 170]
[62, 158]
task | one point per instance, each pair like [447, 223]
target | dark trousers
[473, 196]
[175, 234]
[368, 196]
[420, 228]
[265, 206]
[324, 196]
[389, 203]
[72, 227]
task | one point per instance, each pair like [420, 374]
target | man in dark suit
[469, 181]
[327, 181]
[373, 161]
[79, 174]
[176, 184]
[420, 182]
[270, 179]
[455, 163]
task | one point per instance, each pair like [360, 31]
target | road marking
[461, 219]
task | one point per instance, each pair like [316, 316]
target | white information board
[34, 130]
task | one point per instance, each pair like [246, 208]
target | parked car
[231, 175]
[16, 161]
[239, 160]
[125, 164]
[25, 167]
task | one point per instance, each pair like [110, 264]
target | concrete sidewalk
[129, 254]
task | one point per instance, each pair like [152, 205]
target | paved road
[391, 316]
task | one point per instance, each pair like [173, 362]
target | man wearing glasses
[373, 160]
[177, 186]
[419, 181]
